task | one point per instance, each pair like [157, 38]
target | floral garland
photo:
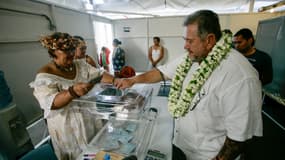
[180, 101]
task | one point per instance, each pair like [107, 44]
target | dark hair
[207, 21]
[60, 41]
[103, 48]
[157, 38]
[79, 42]
[228, 31]
[246, 34]
[116, 42]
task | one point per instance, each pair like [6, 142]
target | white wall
[133, 42]
[22, 55]
[170, 30]
[238, 21]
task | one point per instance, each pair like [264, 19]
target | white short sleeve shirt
[229, 104]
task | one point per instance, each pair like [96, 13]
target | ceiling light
[270, 7]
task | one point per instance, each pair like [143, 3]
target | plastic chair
[43, 152]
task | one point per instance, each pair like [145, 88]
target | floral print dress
[118, 59]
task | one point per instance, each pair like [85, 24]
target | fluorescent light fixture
[98, 1]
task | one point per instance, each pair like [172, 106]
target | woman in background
[80, 51]
[104, 58]
[56, 85]
[118, 57]
[155, 53]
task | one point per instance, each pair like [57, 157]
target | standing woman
[155, 53]
[118, 57]
[80, 52]
[104, 58]
[56, 85]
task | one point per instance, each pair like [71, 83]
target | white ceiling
[122, 9]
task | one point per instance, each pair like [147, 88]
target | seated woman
[56, 85]
[80, 51]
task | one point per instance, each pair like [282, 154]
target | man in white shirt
[215, 95]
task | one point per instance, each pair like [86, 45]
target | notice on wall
[127, 29]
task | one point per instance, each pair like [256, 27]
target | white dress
[229, 104]
[71, 127]
[155, 55]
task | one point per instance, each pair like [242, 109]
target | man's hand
[230, 150]
[124, 83]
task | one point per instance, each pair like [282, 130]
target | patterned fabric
[118, 59]
[127, 72]
[71, 127]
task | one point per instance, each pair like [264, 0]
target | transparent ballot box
[106, 100]
[120, 138]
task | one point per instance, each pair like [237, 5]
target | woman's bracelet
[72, 92]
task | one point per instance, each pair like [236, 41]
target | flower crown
[60, 41]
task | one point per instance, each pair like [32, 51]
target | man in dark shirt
[244, 42]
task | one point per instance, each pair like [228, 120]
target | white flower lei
[179, 101]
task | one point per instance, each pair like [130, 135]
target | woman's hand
[82, 88]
